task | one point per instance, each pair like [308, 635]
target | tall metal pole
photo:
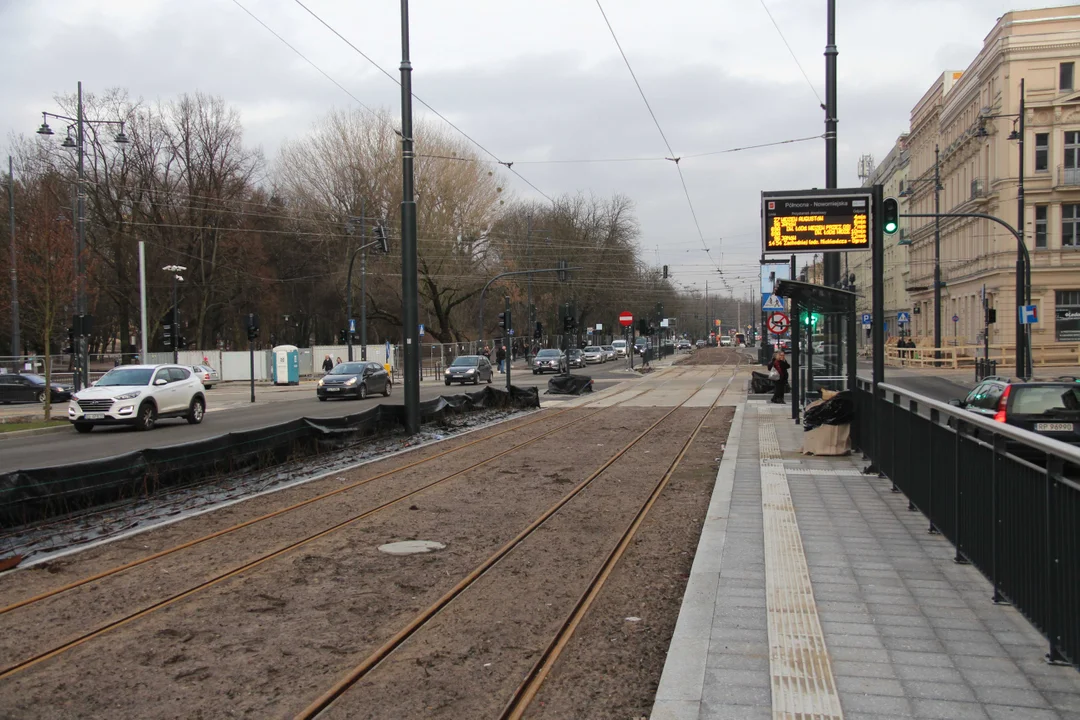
[410, 299]
[363, 297]
[831, 260]
[937, 253]
[144, 343]
[16, 341]
[175, 325]
[81, 340]
[530, 326]
[1023, 369]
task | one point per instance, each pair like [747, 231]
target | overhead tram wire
[507, 165]
[674, 158]
[793, 56]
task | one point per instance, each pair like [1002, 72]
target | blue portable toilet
[286, 365]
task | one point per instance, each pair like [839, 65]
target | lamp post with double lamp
[175, 269]
[77, 143]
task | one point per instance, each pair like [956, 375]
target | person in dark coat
[327, 364]
[780, 364]
[500, 357]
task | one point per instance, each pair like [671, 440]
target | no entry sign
[778, 323]
[626, 319]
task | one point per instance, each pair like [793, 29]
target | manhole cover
[411, 547]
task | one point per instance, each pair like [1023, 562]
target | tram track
[529, 686]
[253, 563]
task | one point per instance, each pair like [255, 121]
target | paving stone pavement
[909, 632]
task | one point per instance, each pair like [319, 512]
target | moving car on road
[1047, 407]
[28, 387]
[469, 369]
[549, 359]
[354, 379]
[725, 341]
[594, 354]
[207, 374]
[620, 347]
[682, 345]
[575, 358]
[609, 352]
[139, 395]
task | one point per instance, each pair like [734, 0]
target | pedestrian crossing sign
[773, 303]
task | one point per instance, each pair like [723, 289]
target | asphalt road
[230, 410]
[936, 385]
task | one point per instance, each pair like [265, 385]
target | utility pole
[831, 260]
[1023, 366]
[530, 315]
[16, 342]
[410, 298]
[937, 254]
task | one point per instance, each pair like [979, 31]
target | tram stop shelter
[822, 340]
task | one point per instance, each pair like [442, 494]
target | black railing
[1007, 499]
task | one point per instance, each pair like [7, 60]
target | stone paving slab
[909, 632]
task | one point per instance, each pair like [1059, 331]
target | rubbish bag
[760, 383]
[837, 410]
[569, 385]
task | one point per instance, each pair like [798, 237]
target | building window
[1070, 225]
[1040, 225]
[1066, 83]
[1042, 152]
[1067, 316]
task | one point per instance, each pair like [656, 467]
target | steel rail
[321, 703]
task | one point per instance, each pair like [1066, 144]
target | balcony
[978, 188]
[1068, 176]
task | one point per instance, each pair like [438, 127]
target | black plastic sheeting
[837, 410]
[569, 385]
[32, 495]
[760, 383]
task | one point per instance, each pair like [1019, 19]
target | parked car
[620, 347]
[1050, 408]
[207, 374]
[549, 359]
[609, 352]
[139, 395]
[469, 369]
[575, 358]
[354, 379]
[594, 354]
[27, 387]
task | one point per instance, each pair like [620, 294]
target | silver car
[609, 352]
[594, 354]
[548, 360]
[207, 374]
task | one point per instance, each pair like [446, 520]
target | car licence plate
[1053, 427]
[94, 416]
[333, 389]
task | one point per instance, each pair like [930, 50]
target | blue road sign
[352, 325]
[956, 318]
[771, 302]
[867, 318]
[421, 331]
[903, 317]
[1029, 314]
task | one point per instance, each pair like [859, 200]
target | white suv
[139, 395]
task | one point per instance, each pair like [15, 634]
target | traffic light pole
[509, 334]
[483, 293]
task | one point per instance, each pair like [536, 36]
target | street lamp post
[410, 295]
[82, 377]
[175, 320]
[937, 254]
[15, 339]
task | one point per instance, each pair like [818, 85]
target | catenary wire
[793, 56]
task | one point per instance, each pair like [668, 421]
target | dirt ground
[267, 641]
[711, 356]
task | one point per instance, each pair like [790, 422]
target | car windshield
[466, 361]
[1045, 399]
[608, 347]
[348, 368]
[126, 376]
[548, 353]
[575, 352]
[592, 349]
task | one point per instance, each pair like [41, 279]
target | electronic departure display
[805, 222]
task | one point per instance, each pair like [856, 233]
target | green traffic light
[890, 228]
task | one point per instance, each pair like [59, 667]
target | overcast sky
[538, 80]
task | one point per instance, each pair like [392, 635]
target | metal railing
[1015, 518]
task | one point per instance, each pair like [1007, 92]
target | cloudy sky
[539, 81]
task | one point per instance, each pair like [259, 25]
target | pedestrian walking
[778, 373]
[327, 364]
[338, 361]
[500, 356]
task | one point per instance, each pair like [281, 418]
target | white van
[620, 347]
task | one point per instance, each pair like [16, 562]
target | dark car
[575, 358]
[354, 379]
[469, 369]
[30, 388]
[547, 360]
[1047, 407]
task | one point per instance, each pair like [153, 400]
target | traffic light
[890, 216]
[991, 315]
[810, 319]
[665, 272]
[181, 343]
[382, 238]
[70, 349]
[539, 331]
[343, 337]
[504, 319]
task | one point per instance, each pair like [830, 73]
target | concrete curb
[683, 681]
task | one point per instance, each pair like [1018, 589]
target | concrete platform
[888, 625]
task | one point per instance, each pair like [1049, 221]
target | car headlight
[447, 371]
[128, 396]
[320, 382]
[350, 382]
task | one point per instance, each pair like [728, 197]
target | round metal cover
[411, 547]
